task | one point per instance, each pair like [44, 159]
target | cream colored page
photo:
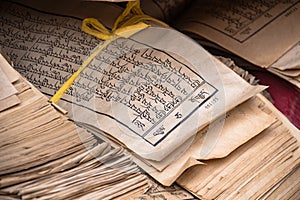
[290, 60]
[206, 173]
[151, 99]
[258, 31]
[226, 135]
[252, 168]
[145, 91]
[221, 138]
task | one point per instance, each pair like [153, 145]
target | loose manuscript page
[258, 31]
[152, 91]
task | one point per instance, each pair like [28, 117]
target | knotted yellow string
[132, 14]
[128, 23]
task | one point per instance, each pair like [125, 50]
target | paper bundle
[255, 169]
[157, 93]
[43, 155]
[143, 91]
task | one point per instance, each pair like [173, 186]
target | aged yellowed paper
[258, 31]
[152, 91]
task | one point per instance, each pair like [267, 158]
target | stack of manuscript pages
[43, 155]
[182, 114]
[267, 166]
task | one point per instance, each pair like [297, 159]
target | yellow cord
[59, 93]
[124, 32]
[131, 15]
[127, 24]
